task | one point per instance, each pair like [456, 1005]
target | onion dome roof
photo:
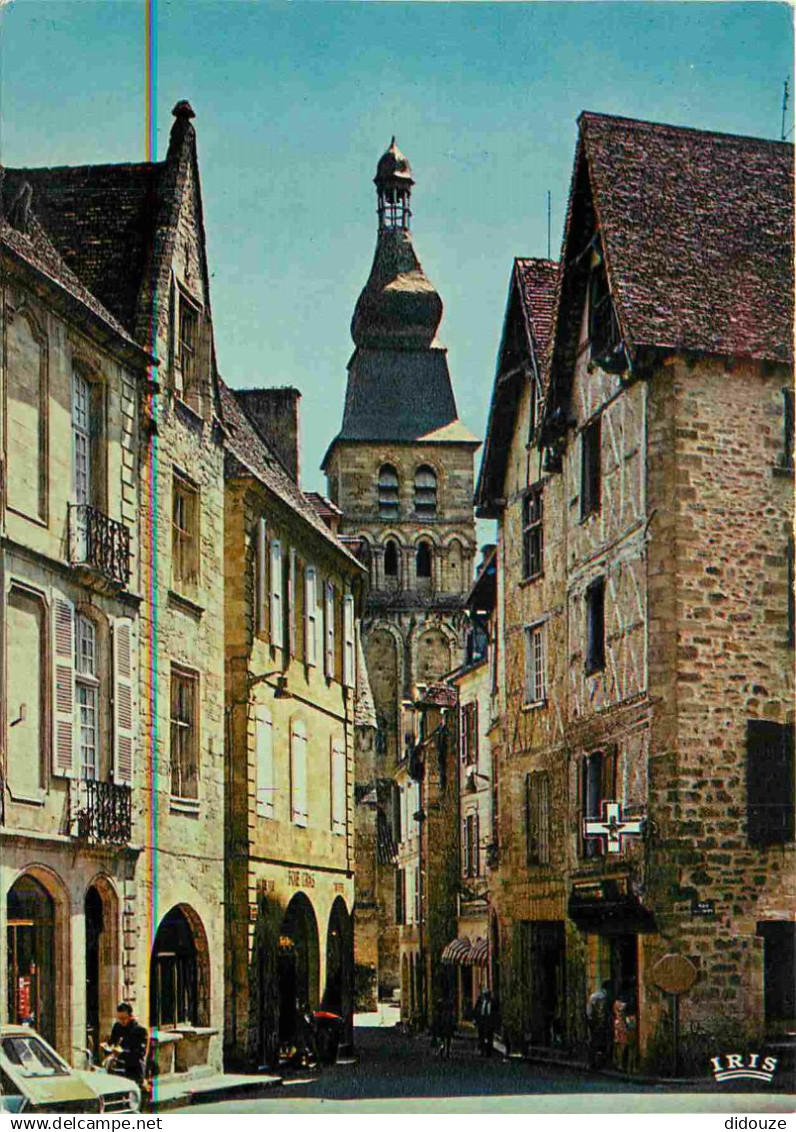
[398, 308]
[393, 166]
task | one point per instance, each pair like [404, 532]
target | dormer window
[425, 490]
[605, 340]
[388, 492]
[188, 347]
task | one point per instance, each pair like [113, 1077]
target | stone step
[172, 1093]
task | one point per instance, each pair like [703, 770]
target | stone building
[294, 692]
[72, 385]
[645, 590]
[134, 237]
[475, 681]
[401, 472]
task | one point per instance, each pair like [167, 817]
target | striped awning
[457, 950]
[478, 954]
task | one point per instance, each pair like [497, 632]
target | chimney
[275, 415]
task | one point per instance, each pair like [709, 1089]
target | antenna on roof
[785, 99]
[548, 224]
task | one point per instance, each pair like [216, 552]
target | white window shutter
[277, 622]
[311, 615]
[328, 652]
[298, 773]
[261, 566]
[264, 762]
[349, 643]
[64, 746]
[338, 784]
[290, 601]
[123, 702]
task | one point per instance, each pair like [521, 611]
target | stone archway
[338, 995]
[179, 978]
[103, 968]
[39, 955]
[298, 965]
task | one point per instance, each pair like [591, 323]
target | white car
[34, 1078]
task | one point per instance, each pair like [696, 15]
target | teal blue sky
[295, 102]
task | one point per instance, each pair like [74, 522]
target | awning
[456, 951]
[478, 953]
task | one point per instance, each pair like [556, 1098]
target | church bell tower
[401, 472]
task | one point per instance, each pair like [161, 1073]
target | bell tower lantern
[393, 183]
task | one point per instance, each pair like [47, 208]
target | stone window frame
[26, 591]
[185, 533]
[388, 493]
[426, 491]
[16, 306]
[88, 370]
[184, 753]
[187, 358]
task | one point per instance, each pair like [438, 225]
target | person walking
[599, 1021]
[484, 1015]
[445, 1025]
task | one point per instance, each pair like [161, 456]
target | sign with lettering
[300, 878]
[703, 907]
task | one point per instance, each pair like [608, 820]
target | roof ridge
[670, 127]
[79, 168]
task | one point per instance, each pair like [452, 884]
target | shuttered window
[400, 896]
[298, 773]
[338, 786]
[64, 738]
[471, 856]
[123, 701]
[290, 601]
[537, 818]
[311, 615]
[277, 610]
[469, 733]
[264, 762]
[349, 642]
[329, 635]
[769, 782]
[261, 575]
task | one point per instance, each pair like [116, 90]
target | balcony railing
[101, 812]
[99, 543]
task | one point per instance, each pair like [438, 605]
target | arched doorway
[179, 980]
[32, 975]
[338, 996]
[101, 909]
[298, 964]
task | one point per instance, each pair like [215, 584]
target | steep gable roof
[102, 220]
[697, 231]
[247, 454]
[526, 331]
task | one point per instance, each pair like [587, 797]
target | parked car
[30, 1069]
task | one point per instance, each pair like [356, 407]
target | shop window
[532, 534]
[769, 782]
[595, 626]
[590, 487]
[184, 734]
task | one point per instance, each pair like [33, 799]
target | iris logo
[736, 1066]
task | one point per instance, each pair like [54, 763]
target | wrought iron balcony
[99, 543]
[101, 812]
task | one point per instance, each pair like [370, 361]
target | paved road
[394, 1072]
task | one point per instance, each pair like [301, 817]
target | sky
[295, 102]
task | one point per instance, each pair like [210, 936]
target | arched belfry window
[425, 490]
[423, 566]
[388, 492]
[391, 559]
